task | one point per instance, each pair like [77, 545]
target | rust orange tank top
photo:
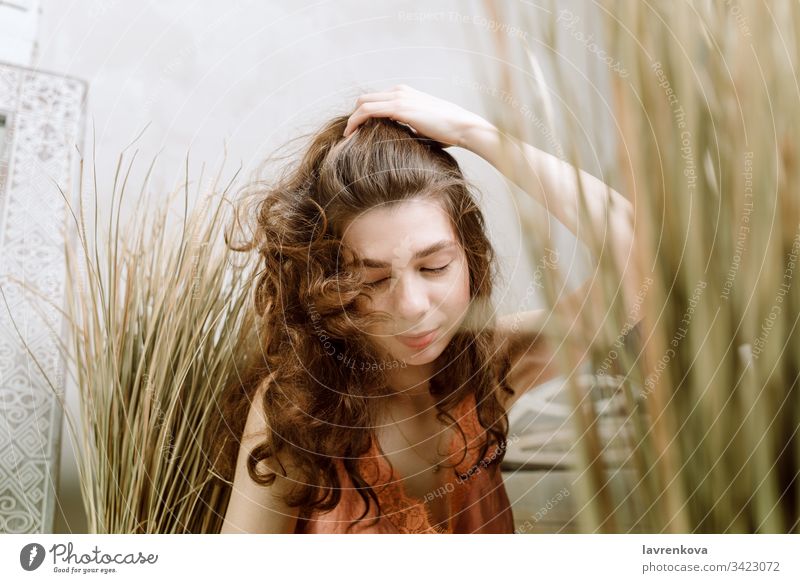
[476, 497]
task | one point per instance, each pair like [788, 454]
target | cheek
[458, 296]
[362, 305]
[465, 285]
[365, 306]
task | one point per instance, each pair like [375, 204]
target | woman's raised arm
[580, 313]
[554, 183]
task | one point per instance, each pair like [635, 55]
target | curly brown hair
[319, 410]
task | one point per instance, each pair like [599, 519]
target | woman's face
[417, 272]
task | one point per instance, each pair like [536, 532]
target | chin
[421, 359]
[417, 357]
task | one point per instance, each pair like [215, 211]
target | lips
[418, 340]
[413, 336]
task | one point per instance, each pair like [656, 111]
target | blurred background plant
[699, 430]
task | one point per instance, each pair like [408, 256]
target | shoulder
[254, 507]
[530, 357]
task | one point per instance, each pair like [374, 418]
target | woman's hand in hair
[426, 115]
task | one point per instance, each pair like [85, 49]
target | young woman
[382, 406]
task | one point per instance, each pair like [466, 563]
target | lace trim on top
[409, 514]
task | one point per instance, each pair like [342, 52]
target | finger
[368, 110]
[377, 96]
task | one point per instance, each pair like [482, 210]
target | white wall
[252, 74]
[19, 21]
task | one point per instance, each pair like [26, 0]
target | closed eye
[433, 270]
[436, 269]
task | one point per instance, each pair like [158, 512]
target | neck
[410, 387]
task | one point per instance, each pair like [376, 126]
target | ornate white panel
[42, 117]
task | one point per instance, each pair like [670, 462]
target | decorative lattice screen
[41, 122]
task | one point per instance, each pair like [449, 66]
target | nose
[411, 298]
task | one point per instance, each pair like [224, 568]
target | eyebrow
[429, 250]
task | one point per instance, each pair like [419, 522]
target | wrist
[477, 135]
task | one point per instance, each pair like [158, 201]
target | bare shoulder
[253, 507]
[521, 340]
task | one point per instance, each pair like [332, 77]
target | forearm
[554, 183]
